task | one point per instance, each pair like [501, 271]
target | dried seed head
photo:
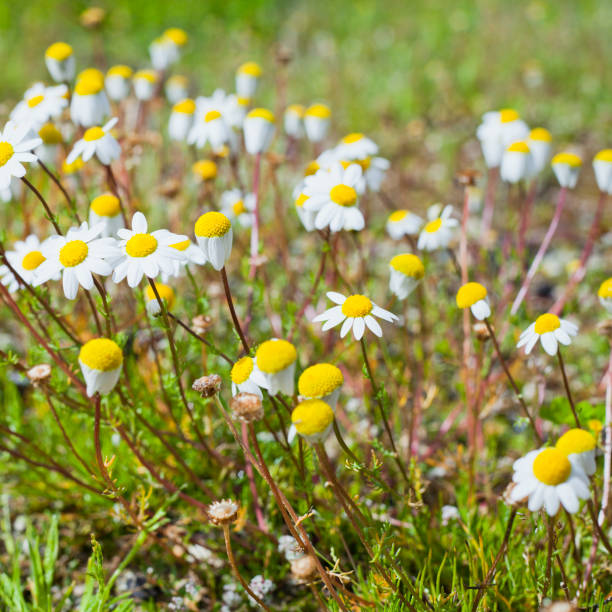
[559, 606]
[304, 568]
[169, 188]
[246, 407]
[92, 17]
[223, 512]
[39, 373]
[201, 324]
[481, 331]
[467, 177]
[207, 386]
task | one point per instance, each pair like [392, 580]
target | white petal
[358, 328]
[346, 326]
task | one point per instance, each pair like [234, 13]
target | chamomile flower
[321, 381]
[406, 272]
[25, 258]
[333, 195]
[548, 478]
[602, 166]
[89, 105]
[247, 79]
[100, 360]
[192, 255]
[566, 167]
[498, 130]
[293, 120]
[214, 235]
[605, 295]
[181, 119]
[247, 378]
[177, 88]
[402, 223]
[540, 145]
[166, 49]
[579, 446]
[316, 122]
[205, 170]
[312, 419]
[209, 124]
[516, 164]
[307, 217]
[258, 130]
[40, 104]
[166, 294]
[238, 207]
[60, 63]
[355, 312]
[77, 256]
[97, 141]
[145, 254]
[106, 209]
[276, 360]
[15, 149]
[51, 140]
[438, 231]
[550, 330]
[117, 82]
[356, 146]
[144, 82]
[474, 297]
[374, 171]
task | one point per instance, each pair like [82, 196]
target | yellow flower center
[141, 245]
[469, 294]
[176, 35]
[312, 168]
[212, 115]
[320, 111]
[238, 207]
[576, 441]
[605, 289]
[181, 246]
[343, 195]
[206, 169]
[90, 82]
[105, 205]
[320, 380]
[312, 417]
[551, 467]
[262, 113]
[77, 164]
[186, 106]
[300, 200]
[120, 70]
[296, 109]
[146, 75]
[364, 163]
[519, 147]
[6, 152]
[59, 51]
[409, 265]
[50, 134]
[93, 133]
[571, 159]
[101, 354]
[604, 155]
[32, 260]
[507, 115]
[73, 253]
[354, 137]
[242, 101]
[251, 68]
[540, 134]
[398, 215]
[273, 356]
[241, 370]
[166, 293]
[357, 306]
[35, 101]
[212, 224]
[433, 226]
[546, 323]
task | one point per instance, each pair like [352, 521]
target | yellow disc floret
[576, 441]
[397, 216]
[32, 260]
[296, 109]
[6, 152]
[300, 200]
[241, 370]
[238, 207]
[320, 380]
[141, 245]
[354, 137]
[357, 306]
[312, 168]
[101, 354]
[518, 147]
[251, 68]
[146, 75]
[343, 195]
[541, 134]
[551, 467]
[506, 115]
[212, 115]
[166, 293]
[105, 205]
[262, 113]
[212, 224]
[181, 246]
[93, 133]
[312, 417]
[433, 226]
[73, 253]
[571, 159]
[469, 294]
[120, 70]
[186, 106]
[177, 36]
[321, 111]
[546, 323]
[89, 82]
[604, 155]
[50, 135]
[273, 356]
[59, 51]
[409, 265]
[206, 169]
[35, 101]
[605, 289]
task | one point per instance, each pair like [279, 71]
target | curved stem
[567, 388]
[59, 185]
[230, 304]
[44, 203]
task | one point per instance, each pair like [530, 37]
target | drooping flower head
[177, 88]
[517, 163]
[89, 105]
[246, 377]
[106, 209]
[144, 83]
[60, 63]
[602, 166]
[316, 122]
[566, 167]
[474, 297]
[117, 82]
[579, 446]
[321, 381]
[605, 295]
[100, 360]
[166, 294]
[214, 235]
[312, 419]
[276, 360]
[258, 130]
[540, 145]
[293, 120]
[247, 79]
[181, 119]
[406, 272]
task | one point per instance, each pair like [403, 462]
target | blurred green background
[375, 62]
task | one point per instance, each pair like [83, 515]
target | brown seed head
[207, 386]
[246, 407]
[304, 568]
[481, 331]
[201, 324]
[39, 373]
[223, 512]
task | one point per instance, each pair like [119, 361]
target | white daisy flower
[166, 294]
[312, 419]
[117, 82]
[247, 378]
[51, 140]
[40, 104]
[356, 146]
[605, 295]
[355, 312]
[177, 88]
[321, 381]
[25, 259]
[100, 360]
[566, 167]
[97, 141]
[209, 124]
[307, 217]
[214, 235]
[602, 166]
[438, 231]
[145, 254]
[333, 195]
[15, 149]
[181, 119]
[406, 272]
[498, 130]
[12, 192]
[375, 170]
[550, 330]
[192, 255]
[516, 164]
[548, 478]
[474, 297]
[247, 79]
[258, 130]
[166, 50]
[402, 223]
[293, 120]
[89, 105]
[238, 207]
[316, 122]
[579, 446]
[60, 63]
[77, 255]
[144, 83]
[106, 209]
[540, 145]
[276, 360]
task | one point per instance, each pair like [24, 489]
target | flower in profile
[39, 105]
[166, 49]
[166, 294]
[276, 360]
[192, 255]
[307, 217]
[540, 145]
[605, 295]
[145, 254]
[247, 79]
[312, 419]
[333, 195]
[89, 104]
[246, 377]
[321, 381]
[548, 478]
[402, 223]
[406, 272]
[516, 164]
[566, 167]
[258, 130]
[208, 386]
[355, 312]
[579, 446]
[214, 235]
[438, 231]
[316, 122]
[51, 140]
[15, 150]
[293, 120]
[238, 207]
[356, 146]
[498, 130]
[181, 119]
[60, 63]
[117, 82]
[100, 360]
[25, 258]
[223, 512]
[106, 209]
[177, 88]
[144, 82]
[97, 141]
[550, 330]
[602, 167]
[474, 297]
